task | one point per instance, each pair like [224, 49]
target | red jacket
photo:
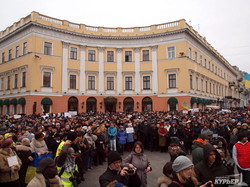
[243, 152]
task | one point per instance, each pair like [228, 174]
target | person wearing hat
[24, 153]
[46, 175]
[117, 175]
[183, 173]
[9, 173]
[197, 148]
[241, 152]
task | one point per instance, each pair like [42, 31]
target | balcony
[231, 84]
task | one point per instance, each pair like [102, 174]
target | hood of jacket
[207, 149]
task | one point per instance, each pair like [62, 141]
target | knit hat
[44, 163]
[181, 163]
[26, 141]
[6, 143]
[113, 156]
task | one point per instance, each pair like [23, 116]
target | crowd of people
[74, 145]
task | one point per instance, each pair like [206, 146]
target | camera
[130, 171]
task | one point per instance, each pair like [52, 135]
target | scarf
[70, 165]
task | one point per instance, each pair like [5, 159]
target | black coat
[204, 171]
[110, 175]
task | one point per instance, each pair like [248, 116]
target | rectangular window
[17, 51]
[91, 82]
[1, 83]
[190, 53]
[91, 55]
[73, 53]
[24, 79]
[72, 82]
[110, 83]
[195, 57]
[3, 57]
[205, 65]
[214, 88]
[172, 80]
[47, 48]
[25, 48]
[171, 52]
[10, 54]
[128, 56]
[201, 60]
[191, 82]
[47, 79]
[8, 82]
[209, 65]
[145, 55]
[202, 86]
[15, 80]
[212, 68]
[146, 82]
[206, 87]
[110, 56]
[128, 83]
[210, 86]
[197, 83]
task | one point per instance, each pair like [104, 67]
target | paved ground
[156, 159]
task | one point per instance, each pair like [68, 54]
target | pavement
[156, 159]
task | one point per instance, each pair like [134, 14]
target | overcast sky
[224, 23]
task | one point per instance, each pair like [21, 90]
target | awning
[13, 101]
[193, 100]
[21, 101]
[172, 100]
[199, 100]
[6, 102]
[1, 102]
[46, 101]
[110, 100]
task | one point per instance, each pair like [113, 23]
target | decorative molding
[92, 72]
[146, 72]
[110, 73]
[172, 70]
[73, 71]
[47, 68]
[137, 49]
[128, 73]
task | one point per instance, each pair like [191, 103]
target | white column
[155, 69]
[119, 70]
[65, 66]
[82, 69]
[137, 70]
[101, 70]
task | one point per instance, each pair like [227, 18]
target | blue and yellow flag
[247, 80]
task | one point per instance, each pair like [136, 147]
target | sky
[224, 23]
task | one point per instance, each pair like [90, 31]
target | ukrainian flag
[247, 80]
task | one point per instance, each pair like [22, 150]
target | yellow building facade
[52, 65]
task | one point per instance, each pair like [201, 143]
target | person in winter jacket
[9, 174]
[183, 173]
[122, 137]
[241, 152]
[46, 175]
[24, 153]
[38, 145]
[163, 133]
[115, 175]
[211, 166]
[130, 136]
[112, 133]
[139, 160]
[66, 165]
[197, 148]
[166, 180]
